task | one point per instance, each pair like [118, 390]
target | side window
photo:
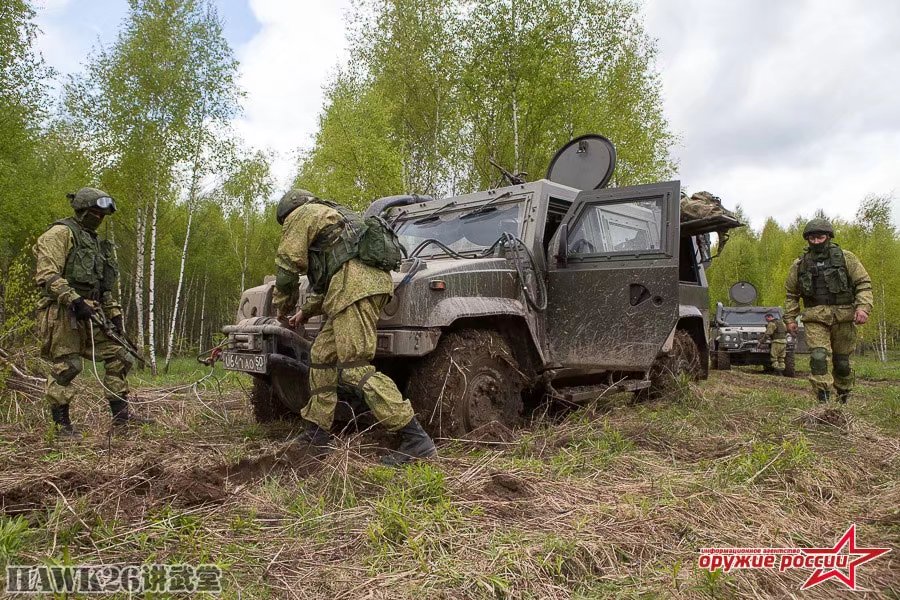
[626, 227]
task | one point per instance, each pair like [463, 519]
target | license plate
[251, 363]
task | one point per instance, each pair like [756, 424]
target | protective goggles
[106, 203]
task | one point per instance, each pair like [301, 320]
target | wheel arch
[693, 324]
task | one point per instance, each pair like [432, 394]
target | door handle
[637, 293]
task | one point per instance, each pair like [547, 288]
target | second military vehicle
[556, 289]
[737, 331]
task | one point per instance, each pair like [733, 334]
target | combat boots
[315, 440]
[779, 372]
[62, 422]
[414, 444]
[843, 396]
[122, 415]
[823, 396]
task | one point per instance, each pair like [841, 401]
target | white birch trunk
[140, 255]
[151, 291]
[184, 251]
[203, 313]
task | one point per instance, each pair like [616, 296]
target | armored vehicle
[737, 330]
[552, 290]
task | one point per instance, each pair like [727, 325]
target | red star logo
[849, 540]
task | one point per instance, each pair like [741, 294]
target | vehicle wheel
[470, 380]
[668, 371]
[714, 360]
[724, 360]
[266, 405]
[789, 368]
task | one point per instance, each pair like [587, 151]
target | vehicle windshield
[461, 230]
[739, 319]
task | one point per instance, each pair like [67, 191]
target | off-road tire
[266, 406]
[724, 360]
[470, 380]
[790, 369]
[714, 360]
[667, 371]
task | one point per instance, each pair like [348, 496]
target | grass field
[613, 500]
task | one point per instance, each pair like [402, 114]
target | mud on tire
[667, 371]
[790, 369]
[470, 380]
[724, 360]
[266, 406]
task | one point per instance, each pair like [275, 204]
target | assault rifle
[99, 319]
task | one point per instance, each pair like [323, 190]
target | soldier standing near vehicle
[76, 272]
[837, 296]
[776, 335]
[321, 239]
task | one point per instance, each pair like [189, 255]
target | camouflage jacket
[353, 281]
[51, 251]
[772, 332]
[862, 290]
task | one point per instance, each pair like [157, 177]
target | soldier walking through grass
[776, 335]
[837, 296]
[76, 272]
[323, 240]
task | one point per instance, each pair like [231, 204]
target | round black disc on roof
[585, 163]
[742, 293]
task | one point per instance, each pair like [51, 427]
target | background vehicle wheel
[724, 360]
[789, 368]
[714, 360]
[669, 371]
[470, 380]
[266, 406]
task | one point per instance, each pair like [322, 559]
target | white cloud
[283, 70]
[783, 107]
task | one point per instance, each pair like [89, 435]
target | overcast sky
[780, 106]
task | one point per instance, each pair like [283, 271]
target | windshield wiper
[486, 207]
[434, 216]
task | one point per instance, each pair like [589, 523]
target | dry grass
[613, 500]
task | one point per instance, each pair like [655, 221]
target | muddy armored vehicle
[736, 332]
[552, 290]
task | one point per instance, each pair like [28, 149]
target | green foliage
[13, 533]
[433, 91]
[764, 259]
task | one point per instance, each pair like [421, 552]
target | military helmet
[818, 226]
[88, 197]
[291, 200]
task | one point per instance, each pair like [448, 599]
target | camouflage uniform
[776, 333]
[352, 302]
[830, 327]
[65, 340]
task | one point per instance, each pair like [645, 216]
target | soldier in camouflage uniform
[320, 239]
[837, 296]
[76, 272]
[776, 335]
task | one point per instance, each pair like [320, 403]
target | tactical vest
[827, 282]
[780, 330]
[371, 240]
[333, 246]
[90, 267]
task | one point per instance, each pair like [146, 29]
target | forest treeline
[432, 91]
[764, 257]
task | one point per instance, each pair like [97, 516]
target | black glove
[82, 310]
[118, 325]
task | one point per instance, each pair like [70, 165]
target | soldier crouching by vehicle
[776, 335]
[323, 240]
[837, 296]
[76, 272]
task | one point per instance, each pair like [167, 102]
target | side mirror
[562, 251]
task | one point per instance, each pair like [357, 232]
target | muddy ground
[612, 500]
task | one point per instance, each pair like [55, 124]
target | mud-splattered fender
[449, 310]
[685, 311]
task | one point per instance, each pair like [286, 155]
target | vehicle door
[613, 282]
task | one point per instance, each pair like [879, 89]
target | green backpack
[379, 245]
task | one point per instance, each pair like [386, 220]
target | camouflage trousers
[65, 345]
[343, 351]
[777, 352]
[831, 340]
